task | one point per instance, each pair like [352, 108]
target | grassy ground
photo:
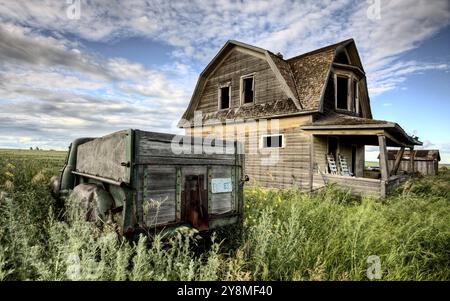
[372, 164]
[288, 235]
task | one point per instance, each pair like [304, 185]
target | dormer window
[225, 96]
[342, 92]
[248, 89]
[347, 92]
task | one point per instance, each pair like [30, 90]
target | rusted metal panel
[107, 157]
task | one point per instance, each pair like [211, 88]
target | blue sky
[135, 63]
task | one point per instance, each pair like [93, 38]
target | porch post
[412, 154]
[398, 160]
[383, 158]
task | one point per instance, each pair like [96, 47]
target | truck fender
[94, 201]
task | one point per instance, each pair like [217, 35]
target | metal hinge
[126, 164]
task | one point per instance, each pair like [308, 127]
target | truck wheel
[94, 202]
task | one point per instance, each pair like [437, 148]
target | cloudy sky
[71, 68]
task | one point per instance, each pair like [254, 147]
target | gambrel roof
[303, 78]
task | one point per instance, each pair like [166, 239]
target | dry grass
[288, 235]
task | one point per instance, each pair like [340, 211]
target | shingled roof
[311, 71]
[303, 78]
[344, 119]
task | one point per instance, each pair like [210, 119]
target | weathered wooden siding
[359, 186]
[157, 171]
[289, 166]
[237, 64]
[104, 157]
[159, 194]
[423, 167]
[360, 161]
[394, 182]
[320, 152]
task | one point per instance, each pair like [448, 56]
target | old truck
[138, 177]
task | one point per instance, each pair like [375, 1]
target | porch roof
[341, 124]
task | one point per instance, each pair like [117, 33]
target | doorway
[196, 202]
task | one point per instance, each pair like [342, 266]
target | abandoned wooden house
[426, 162]
[321, 106]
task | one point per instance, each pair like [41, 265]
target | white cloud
[197, 29]
[46, 77]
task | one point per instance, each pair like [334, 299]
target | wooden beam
[396, 141]
[412, 154]
[311, 164]
[398, 160]
[383, 158]
[349, 132]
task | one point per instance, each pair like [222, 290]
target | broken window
[272, 141]
[224, 102]
[248, 85]
[342, 93]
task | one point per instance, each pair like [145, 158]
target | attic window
[247, 89]
[342, 58]
[272, 141]
[224, 97]
[342, 93]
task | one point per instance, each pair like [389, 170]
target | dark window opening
[342, 58]
[273, 141]
[342, 92]
[248, 89]
[224, 98]
[333, 146]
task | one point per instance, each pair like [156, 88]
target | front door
[196, 202]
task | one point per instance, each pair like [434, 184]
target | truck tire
[94, 202]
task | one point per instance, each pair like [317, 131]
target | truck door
[196, 202]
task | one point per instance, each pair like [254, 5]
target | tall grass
[288, 235]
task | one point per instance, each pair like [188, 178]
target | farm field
[287, 235]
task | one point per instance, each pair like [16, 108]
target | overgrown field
[288, 235]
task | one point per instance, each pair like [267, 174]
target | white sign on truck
[221, 185]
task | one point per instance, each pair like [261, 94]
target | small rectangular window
[224, 98]
[247, 89]
[342, 93]
[272, 141]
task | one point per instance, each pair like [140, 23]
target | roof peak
[260, 49]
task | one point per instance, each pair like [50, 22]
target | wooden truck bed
[166, 183]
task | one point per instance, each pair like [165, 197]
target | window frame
[241, 89]
[283, 141]
[351, 80]
[348, 78]
[219, 97]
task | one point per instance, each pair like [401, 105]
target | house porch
[349, 142]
